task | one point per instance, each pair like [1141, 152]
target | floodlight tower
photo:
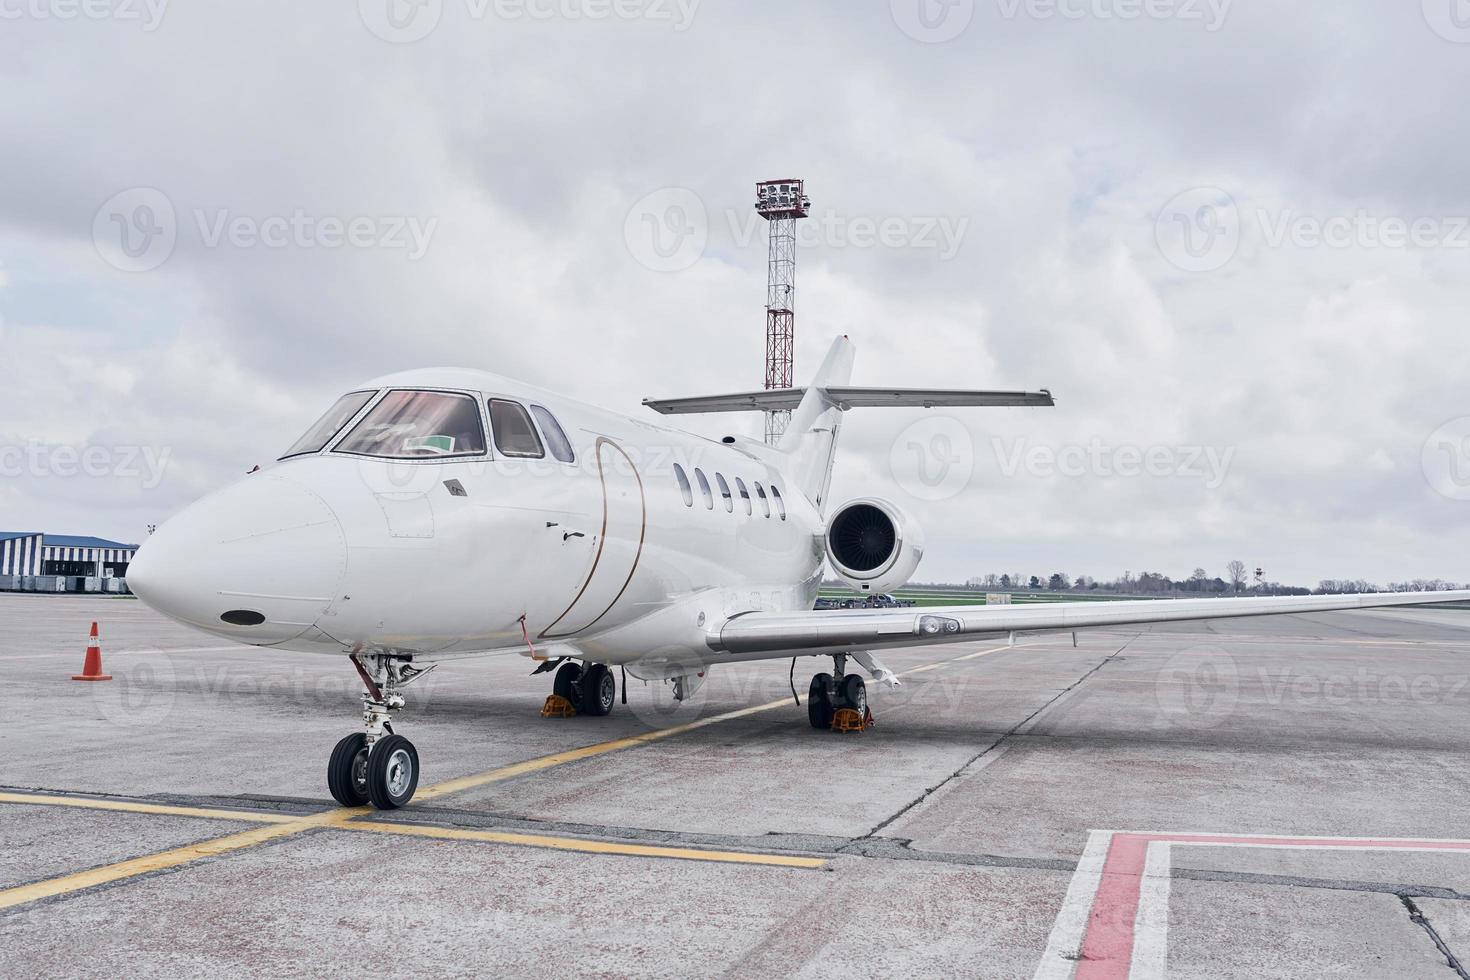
[782, 203]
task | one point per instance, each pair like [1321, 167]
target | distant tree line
[1199, 582]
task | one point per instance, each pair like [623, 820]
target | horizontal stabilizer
[845, 397]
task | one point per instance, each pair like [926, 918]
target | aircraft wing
[846, 397]
[836, 630]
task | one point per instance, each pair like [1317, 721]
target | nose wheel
[393, 772]
[347, 771]
[377, 766]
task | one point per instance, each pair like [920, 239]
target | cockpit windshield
[417, 424]
[328, 425]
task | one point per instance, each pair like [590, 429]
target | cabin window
[780, 504]
[725, 493]
[416, 425]
[514, 433]
[330, 424]
[709, 498]
[744, 494]
[765, 504]
[556, 438]
[684, 487]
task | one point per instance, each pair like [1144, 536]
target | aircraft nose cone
[259, 561]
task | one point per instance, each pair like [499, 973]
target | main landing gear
[376, 766]
[838, 701]
[590, 690]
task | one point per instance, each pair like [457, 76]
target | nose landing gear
[377, 766]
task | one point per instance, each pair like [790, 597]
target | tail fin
[810, 443]
[811, 438]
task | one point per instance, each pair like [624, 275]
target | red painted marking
[1107, 945]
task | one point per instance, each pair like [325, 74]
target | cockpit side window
[556, 438]
[330, 424]
[409, 424]
[514, 433]
[765, 503]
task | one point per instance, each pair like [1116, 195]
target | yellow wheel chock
[558, 707]
[848, 720]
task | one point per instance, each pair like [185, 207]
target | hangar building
[62, 563]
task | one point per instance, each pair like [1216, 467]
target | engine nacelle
[872, 545]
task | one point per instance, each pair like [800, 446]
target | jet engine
[873, 545]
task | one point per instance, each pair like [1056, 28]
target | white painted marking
[1065, 942]
[1151, 924]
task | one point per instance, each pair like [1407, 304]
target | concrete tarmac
[1278, 797]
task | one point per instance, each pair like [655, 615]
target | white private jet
[446, 513]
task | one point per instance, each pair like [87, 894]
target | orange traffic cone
[92, 666]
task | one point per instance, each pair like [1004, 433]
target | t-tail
[810, 442]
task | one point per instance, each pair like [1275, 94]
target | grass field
[965, 597]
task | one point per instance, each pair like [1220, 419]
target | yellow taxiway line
[162, 809]
[590, 846]
[279, 826]
[164, 860]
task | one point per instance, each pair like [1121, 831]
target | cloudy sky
[1230, 236]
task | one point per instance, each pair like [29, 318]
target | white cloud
[1057, 141]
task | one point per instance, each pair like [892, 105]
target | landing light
[934, 625]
